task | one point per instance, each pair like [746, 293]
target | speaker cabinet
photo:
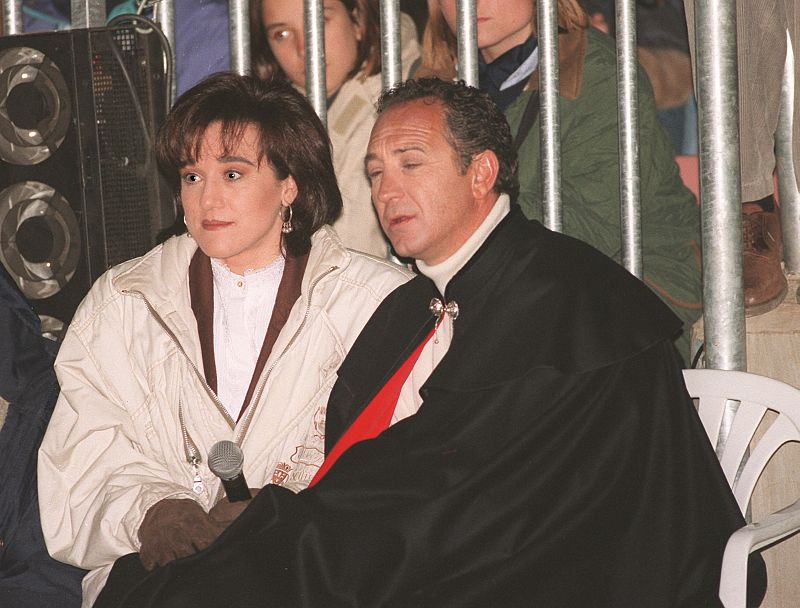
[79, 187]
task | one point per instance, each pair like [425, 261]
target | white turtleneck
[436, 348]
[242, 309]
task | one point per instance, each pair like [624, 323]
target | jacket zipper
[248, 416]
[193, 456]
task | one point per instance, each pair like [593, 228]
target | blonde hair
[439, 44]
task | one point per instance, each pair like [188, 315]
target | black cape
[557, 460]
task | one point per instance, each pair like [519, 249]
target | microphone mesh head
[225, 459]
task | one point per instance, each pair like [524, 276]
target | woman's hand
[224, 512]
[174, 528]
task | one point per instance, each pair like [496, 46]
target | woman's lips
[215, 224]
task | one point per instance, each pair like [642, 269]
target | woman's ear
[289, 192]
[358, 23]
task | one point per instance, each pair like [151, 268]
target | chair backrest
[738, 402]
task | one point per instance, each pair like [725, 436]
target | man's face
[426, 204]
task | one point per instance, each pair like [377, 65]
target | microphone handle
[236, 488]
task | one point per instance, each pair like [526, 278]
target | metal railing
[716, 80]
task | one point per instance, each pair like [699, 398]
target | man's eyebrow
[409, 148]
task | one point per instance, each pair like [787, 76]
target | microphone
[225, 460]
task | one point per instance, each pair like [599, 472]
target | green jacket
[590, 165]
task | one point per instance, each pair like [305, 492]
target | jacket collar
[571, 57]
[162, 278]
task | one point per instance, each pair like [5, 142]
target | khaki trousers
[761, 27]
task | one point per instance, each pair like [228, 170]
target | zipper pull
[198, 487]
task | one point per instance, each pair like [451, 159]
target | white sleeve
[95, 482]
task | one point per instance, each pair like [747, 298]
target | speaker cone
[39, 238]
[34, 108]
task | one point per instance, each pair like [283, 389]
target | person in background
[529, 460]
[663, 50]
[762, 30]
[202, 38]
[353, 60]
[590, 167]
[233, 331]
[29, 577]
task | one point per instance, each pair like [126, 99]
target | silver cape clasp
[439, 309]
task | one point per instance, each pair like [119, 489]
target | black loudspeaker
[79, 187]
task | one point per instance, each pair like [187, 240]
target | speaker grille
[122, 81]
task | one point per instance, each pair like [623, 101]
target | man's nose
[388, 187]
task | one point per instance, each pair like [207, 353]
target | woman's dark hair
[293, 141]
[368, 59]
[474, 124]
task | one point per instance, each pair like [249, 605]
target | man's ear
[484, 168]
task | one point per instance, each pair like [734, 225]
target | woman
[589, 142]
[233, 331]
[353, 74]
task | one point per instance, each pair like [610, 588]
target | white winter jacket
[350, 120]
[135, 418]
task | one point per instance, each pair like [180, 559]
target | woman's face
[502, 24]
[232, 201]
[283, 23]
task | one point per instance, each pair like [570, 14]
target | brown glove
[224, 512]
[174, 528]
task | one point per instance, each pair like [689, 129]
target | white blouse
[243, 306]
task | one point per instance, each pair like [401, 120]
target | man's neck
[442, 272]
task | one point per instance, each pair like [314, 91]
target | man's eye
[232, 175]
[411, 165]
[374, 173]
[190, 178]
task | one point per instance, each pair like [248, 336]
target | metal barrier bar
[87, 13]
[547, 21]
[467, 34]
[391, 65]
[239, 33]
[12, 17]
[720, 190]
[628, 112]
[316, 88]
[164, 14]
[787, 180]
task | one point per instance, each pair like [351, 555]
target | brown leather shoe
[764, 282]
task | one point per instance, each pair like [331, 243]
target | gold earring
[286, 227]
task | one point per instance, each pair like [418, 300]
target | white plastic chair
[755, 395]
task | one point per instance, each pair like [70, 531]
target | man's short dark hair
[293, 141]
[474, 124]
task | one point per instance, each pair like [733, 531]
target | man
[543, 450]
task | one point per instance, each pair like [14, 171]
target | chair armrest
[749, 538]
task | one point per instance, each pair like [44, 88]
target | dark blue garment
[492, 76]
[202, 41]
[29, 577]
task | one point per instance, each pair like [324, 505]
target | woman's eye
[279, 35]
[232, 175]
[190, 178]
